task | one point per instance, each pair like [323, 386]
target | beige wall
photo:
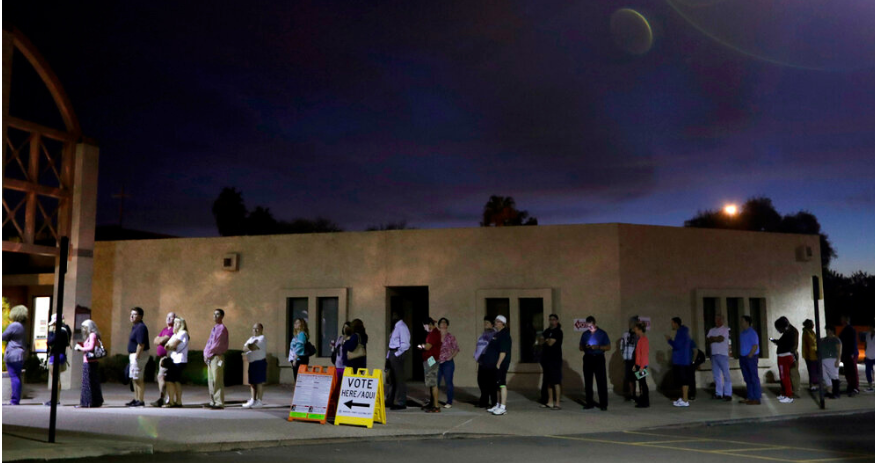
[582, 267]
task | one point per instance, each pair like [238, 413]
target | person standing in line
[627, 348]
[177, 348]
[682, 363]
[138, 355]
[161, 352]
[850, 355]
[214, 356]
[485, 375]
[786, 358]
[869, 339]
[594, 342]
[749, 358]
[809, 353]
[298, 346]
[449, 349]
[551, 363]
[718, 337]
[830, 354]
[499, 350]
[15, 337]
[58, 340]
[642, 361]
[396, 362]
[90, 395]
[356, 347]
[255, 350]
[337, 357]
[431, 352]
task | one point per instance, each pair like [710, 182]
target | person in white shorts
[831, 352]
[138, 355]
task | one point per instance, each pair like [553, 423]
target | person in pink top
[449, 349]
[214, 356]
[91, 395]
[642, 360]
[161, 352]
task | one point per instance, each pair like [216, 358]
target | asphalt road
[827, 439]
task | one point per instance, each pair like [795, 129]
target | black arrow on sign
[349, 404]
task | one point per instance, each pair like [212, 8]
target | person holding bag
[355, 347]
[93, 350]
[642, 360]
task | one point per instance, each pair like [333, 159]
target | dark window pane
[531, 324]
[328, 318]
[733, 319]
[709, 305]
[757, 315]
[498, 306]
[296, 307]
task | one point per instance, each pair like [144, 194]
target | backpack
[700, 358]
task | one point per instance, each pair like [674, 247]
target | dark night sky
[369, 112]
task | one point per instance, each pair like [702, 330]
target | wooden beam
[9, 246]
[33, 176]
[33, 127]
[27, 187]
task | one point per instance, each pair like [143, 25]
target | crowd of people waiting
[492, 353]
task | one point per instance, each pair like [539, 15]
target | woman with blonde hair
[16, 349]
[298, 347]
[91, 396]
[177, 348]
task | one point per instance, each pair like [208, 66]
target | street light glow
[730, 209]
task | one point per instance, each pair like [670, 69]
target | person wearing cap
[58, 340]
[431, 352]
[594, 342]
[138, 355]
[497, 356]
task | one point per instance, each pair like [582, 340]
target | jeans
[720, 368]
[14, 369]
[749, 370]
[870, 364]
[594, 364]
[446, 371]
[813, 372]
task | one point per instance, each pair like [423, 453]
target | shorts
[501, 377]
[62, 362]
[258, 372]
[163, 365]
[552, 373]
[137, 366]
[174, 372]
[683, 375]
[830, 370]
[431, 373]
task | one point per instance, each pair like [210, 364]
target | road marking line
[639, 444]
[837, 458]
[671, 441]
[777, 447]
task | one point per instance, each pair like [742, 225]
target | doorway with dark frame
[411, 302]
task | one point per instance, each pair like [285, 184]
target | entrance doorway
[411, 303]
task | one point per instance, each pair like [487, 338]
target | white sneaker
[681, 403]
[786, 400]
[781, 397]
[500, 411]
[248, 403]
[869, 389]
[257, 404]
[676, 402]
[493, 409]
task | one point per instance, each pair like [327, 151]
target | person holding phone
[431, 352]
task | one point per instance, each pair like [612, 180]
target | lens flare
[631, 31]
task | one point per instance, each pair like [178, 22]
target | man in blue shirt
[681, 360]
[594, 343]
[748, 359]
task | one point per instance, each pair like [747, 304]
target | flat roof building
[609, 271]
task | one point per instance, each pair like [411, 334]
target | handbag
[98, 353]
[309, 349]
[358, 352]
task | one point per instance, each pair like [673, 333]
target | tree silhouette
[230, 212]
[261, 222]
[400, 225]
[759, 214]
[501, 211]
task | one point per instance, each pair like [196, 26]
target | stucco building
[610, 271]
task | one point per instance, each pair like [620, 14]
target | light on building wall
[730, 210]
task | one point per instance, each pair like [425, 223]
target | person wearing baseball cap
[497, 357]
[58, 341]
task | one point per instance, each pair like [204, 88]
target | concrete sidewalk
[115, 430]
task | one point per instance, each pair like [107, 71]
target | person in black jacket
[58, 341]
[787, 345]
[850, 354]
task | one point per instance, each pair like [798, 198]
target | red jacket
[642, 352]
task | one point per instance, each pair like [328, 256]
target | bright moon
[731, 209]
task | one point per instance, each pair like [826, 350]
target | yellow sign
[361, 400]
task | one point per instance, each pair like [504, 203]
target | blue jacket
[681, 347]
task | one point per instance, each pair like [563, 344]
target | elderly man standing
[161, 352]
[396, 358]
[718, 337]
[214, 356]
[138, 355]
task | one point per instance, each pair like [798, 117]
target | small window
[733, 319]
[710, 306]
[296, 307]
[496, 306]
[758, 321]
[531, 325]
[328, 325]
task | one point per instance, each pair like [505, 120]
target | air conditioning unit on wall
[804, 253]
[230, 261]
